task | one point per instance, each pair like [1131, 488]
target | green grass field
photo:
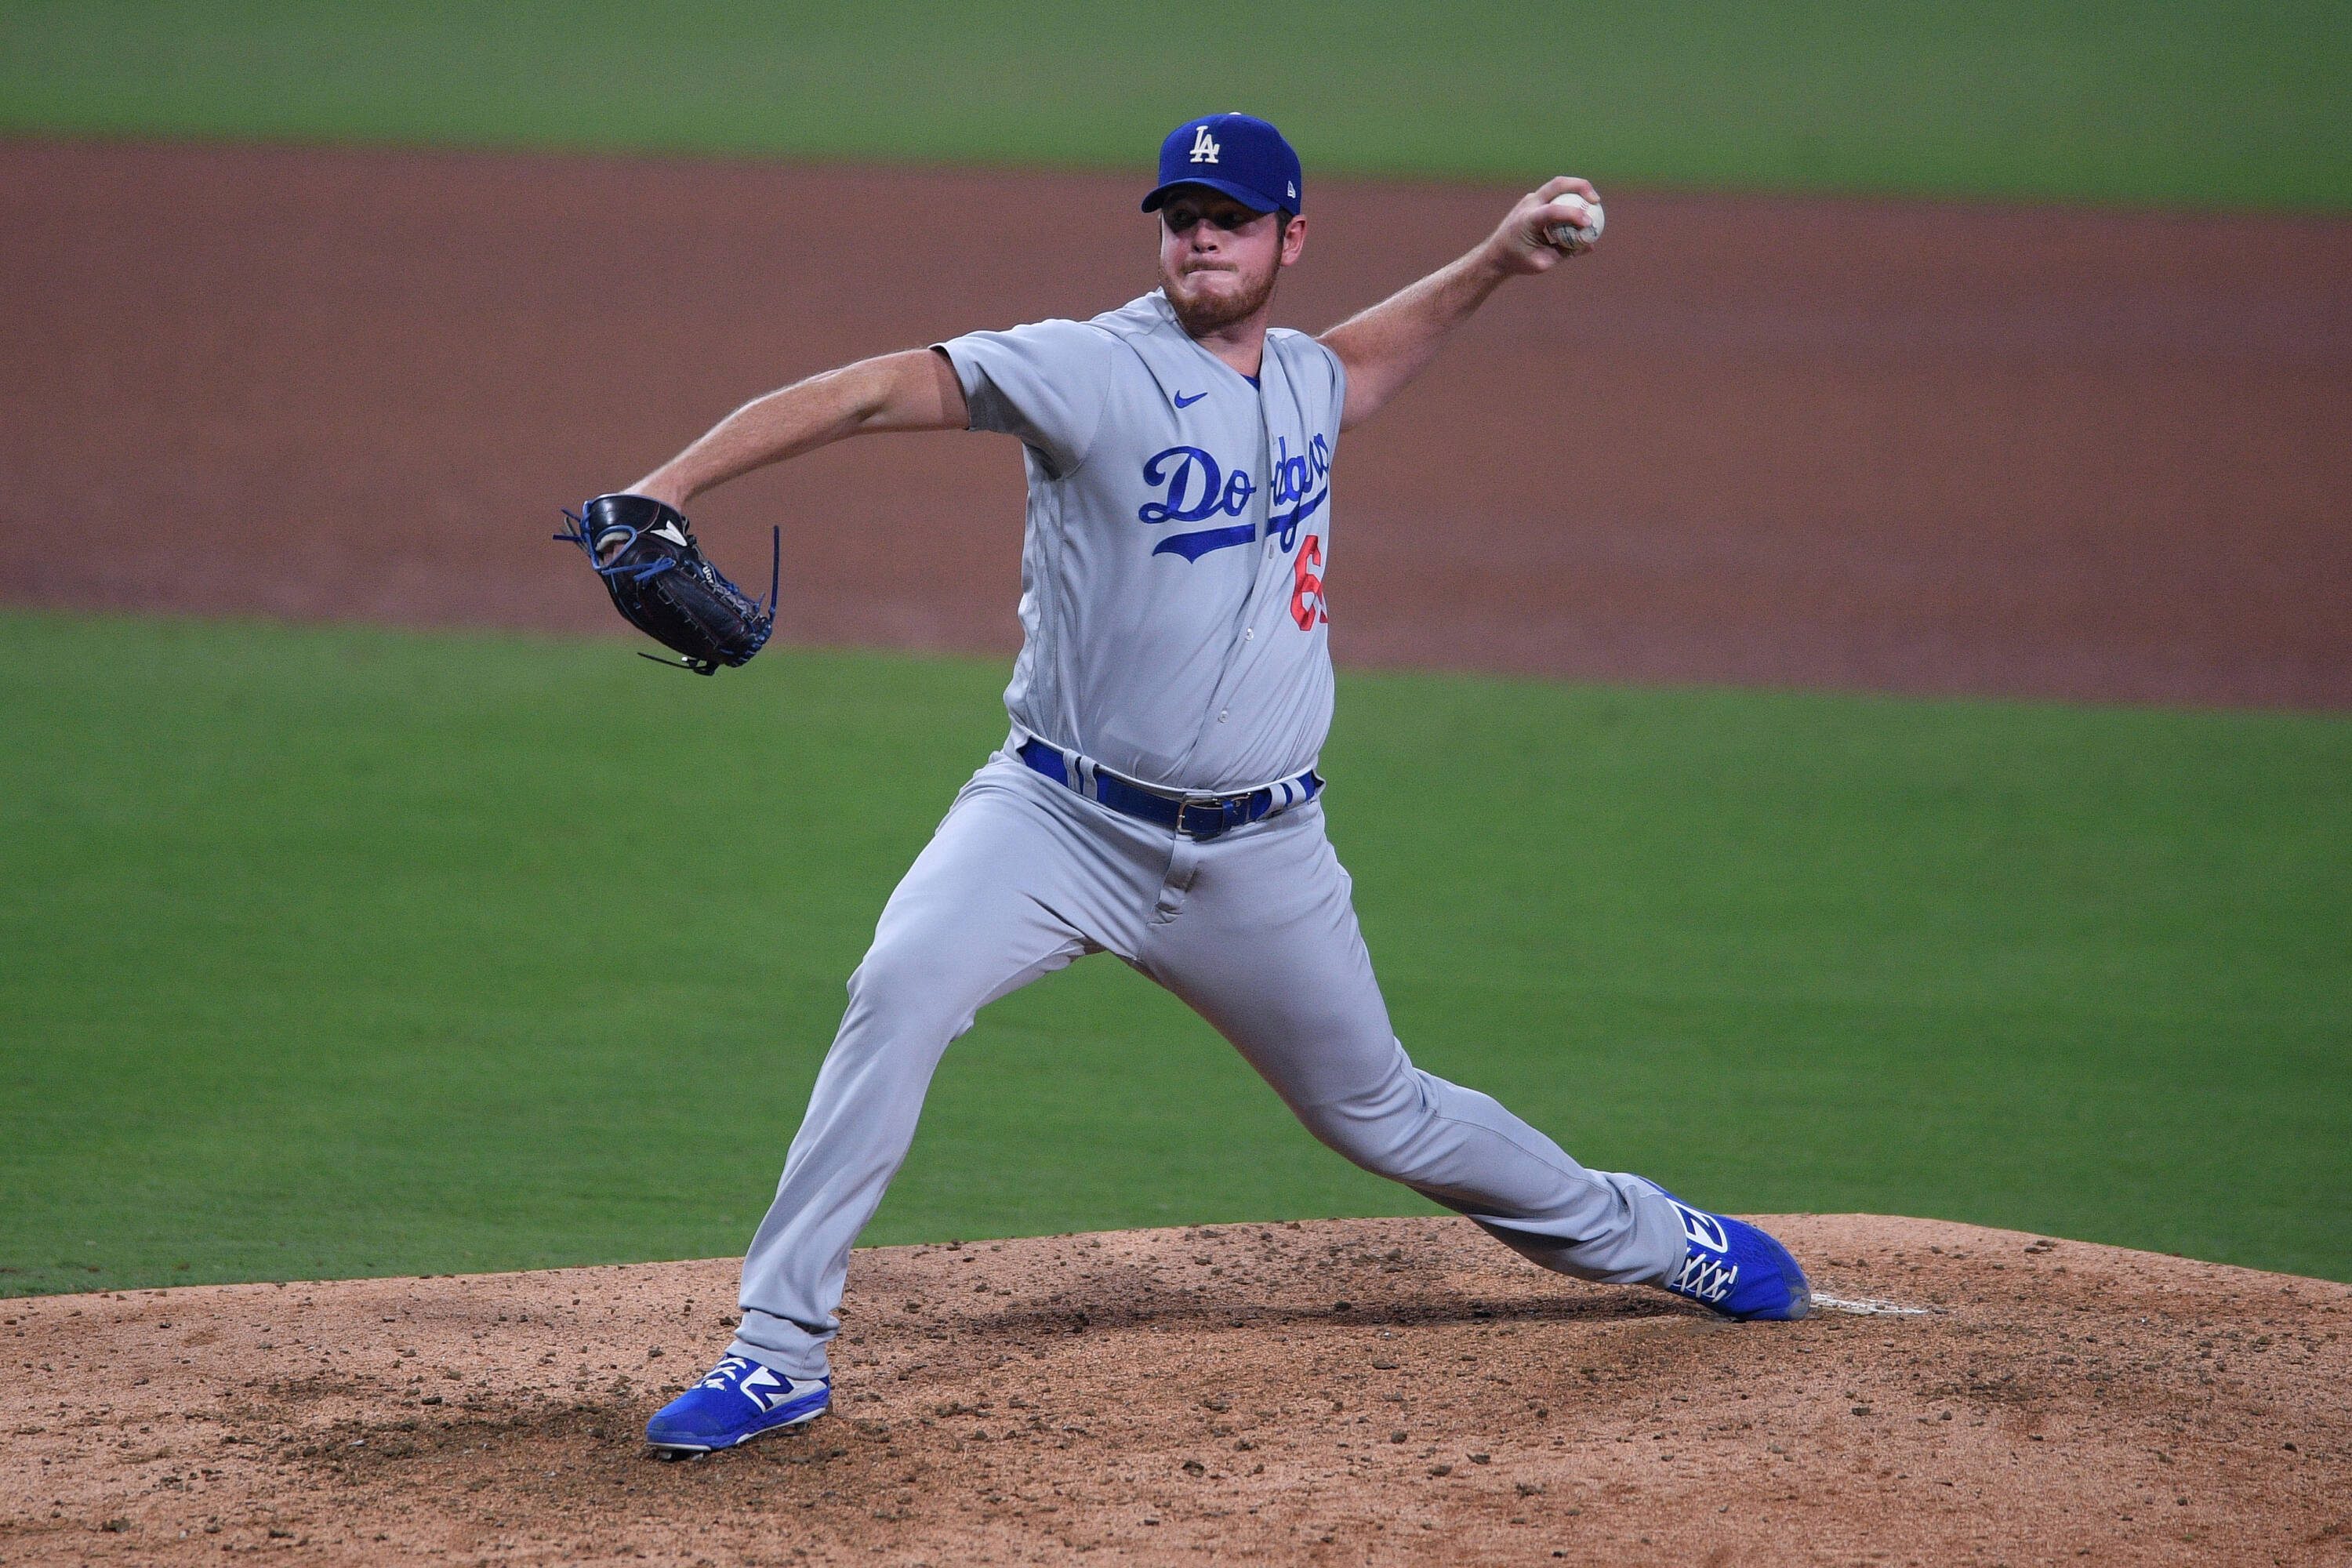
[343, 952]
[2198, 100]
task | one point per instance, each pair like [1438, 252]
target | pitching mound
[1371, 1390]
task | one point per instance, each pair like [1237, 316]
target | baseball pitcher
[1158, 795]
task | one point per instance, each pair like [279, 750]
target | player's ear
[1294, 236]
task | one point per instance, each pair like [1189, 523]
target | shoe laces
[726, 1373]
[1704, 1279]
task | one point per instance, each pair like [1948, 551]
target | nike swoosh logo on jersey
[1184, 402]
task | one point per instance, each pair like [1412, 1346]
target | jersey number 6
[1307, 586]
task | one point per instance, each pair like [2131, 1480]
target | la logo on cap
[1204, 147]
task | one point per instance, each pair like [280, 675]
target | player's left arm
[1385, 347]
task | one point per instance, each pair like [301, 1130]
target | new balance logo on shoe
[766, 1390]
[1702, 1227]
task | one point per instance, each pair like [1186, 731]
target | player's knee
[1363, 1145]
[1384, 1130]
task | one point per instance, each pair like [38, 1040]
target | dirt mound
[1931, 447]
[1384, 1391]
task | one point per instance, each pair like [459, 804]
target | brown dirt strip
[1910, 447]
[1380, 1391]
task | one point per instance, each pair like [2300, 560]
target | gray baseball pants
[1255, 932]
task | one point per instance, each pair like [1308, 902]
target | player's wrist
[667, 486]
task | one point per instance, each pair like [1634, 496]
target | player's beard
[1200, 316]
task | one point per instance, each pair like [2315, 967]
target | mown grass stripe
[338, 950]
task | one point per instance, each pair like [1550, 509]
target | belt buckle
[1220, 817]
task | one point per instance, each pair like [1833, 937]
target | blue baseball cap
[1239, 155]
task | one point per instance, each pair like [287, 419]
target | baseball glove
[644, 552]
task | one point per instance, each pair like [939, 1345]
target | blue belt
[1195, 817]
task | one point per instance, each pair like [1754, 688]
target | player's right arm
[1385, 347]
[916, 390]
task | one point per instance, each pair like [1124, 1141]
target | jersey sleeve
[1046, 382]
[1318, 377]
[1338, 371]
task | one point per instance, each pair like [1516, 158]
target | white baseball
[1574, 236]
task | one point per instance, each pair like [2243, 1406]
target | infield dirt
[1361, 1391]
[1918, 448]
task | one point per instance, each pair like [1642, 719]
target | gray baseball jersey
[1174, 633]
[1172, 611]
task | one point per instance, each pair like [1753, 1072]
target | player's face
[1219, 259]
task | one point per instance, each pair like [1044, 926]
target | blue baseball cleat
[740, 1400]
[1735, 1268]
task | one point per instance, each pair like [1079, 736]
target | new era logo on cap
[1239, 155]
